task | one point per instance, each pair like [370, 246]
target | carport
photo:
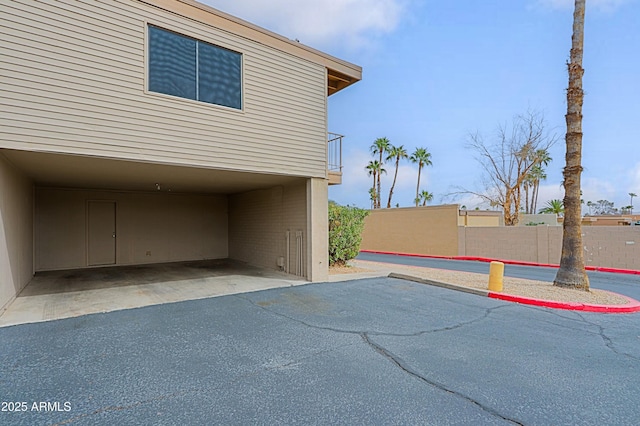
[68, 293]
[91, 212]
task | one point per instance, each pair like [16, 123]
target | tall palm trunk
[571, 273]
[379, 196]
[373, 186]
[417, 200]
[395, 176]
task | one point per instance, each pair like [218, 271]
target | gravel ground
[514, 286]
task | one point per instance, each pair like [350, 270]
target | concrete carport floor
[70, 293]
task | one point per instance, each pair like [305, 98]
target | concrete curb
[476, 291]
[632, 306]
[505, 261]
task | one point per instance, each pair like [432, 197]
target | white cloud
[317, 23]
[597, 189]
[604, 5]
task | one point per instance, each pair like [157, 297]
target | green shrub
[345, 232]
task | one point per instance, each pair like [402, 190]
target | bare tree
[571, 273]
[508, 160]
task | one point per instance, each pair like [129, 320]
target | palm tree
[526, 185]
[538, 159]
[399, 153]
[571, 273]
[381, 170]
[535, 175]
[375, 169]
[631, 194]
[553, 207]
[542, 158]
[423, 158]
[380, 146]
[540, 176]
[372, 169]
[372, 196]
[425, 196]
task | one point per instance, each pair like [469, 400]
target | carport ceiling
[47, 169]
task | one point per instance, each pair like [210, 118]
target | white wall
[150, 227]
[16, 232]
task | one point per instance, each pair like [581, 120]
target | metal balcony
[334, 158]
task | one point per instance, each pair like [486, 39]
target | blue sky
[435, 71]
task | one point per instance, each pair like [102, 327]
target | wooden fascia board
[210, 16]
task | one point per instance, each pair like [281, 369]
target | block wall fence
[431, 231]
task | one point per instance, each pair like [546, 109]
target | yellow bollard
[496, 272]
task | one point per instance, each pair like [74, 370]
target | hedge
[345, 232]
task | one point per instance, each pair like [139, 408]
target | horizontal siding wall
[73, 81]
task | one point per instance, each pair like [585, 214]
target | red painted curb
[505, 261]
[632, 306]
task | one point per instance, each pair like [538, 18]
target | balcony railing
[334, 152]
[334, 158]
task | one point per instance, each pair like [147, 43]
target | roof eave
[340, 73]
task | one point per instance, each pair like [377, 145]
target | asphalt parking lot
[626, 284]
[373, 351]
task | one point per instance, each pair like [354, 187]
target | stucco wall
[479, 218]
[259, 221]
[538, 219]
[150, 227]
[318, 229]
[16, 232]
[423, 230]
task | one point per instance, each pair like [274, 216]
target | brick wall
[259, 221]
[613, 246]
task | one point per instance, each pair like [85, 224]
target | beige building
[147, 131]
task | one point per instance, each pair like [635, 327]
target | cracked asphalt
[374, 351]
